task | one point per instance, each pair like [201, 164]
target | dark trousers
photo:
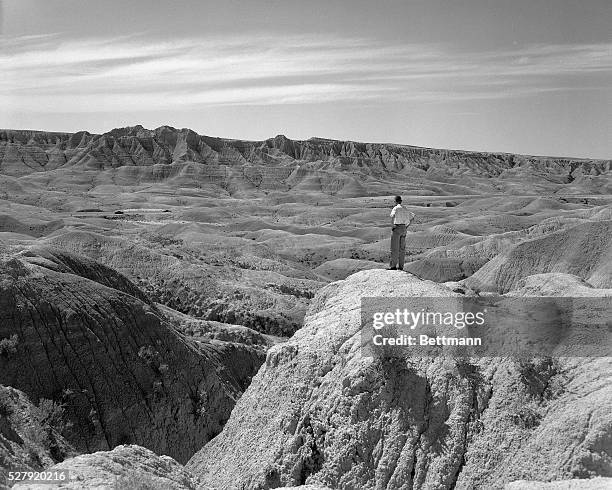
[398, 246]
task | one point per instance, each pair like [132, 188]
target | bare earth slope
[112, 358]
[584, 250]
[318, 412]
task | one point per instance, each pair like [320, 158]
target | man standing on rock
[400, 219]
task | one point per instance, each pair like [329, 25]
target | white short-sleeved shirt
[401, 216]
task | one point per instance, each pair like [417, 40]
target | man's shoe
[392, 269]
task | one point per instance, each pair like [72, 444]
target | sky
[520, 76]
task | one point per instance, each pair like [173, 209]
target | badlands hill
[583, 250]
[236, 166]
[322, 412]
[110, 365]
[145, 275]
[246, 232]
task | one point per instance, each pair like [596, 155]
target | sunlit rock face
[321, 412]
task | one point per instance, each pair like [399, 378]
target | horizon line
[558, 157]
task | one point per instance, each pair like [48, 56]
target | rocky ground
[146, 276]
[321, 412]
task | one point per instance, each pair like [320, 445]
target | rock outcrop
[321, 412]
[125, 467]
[85, 337]
[316, 164]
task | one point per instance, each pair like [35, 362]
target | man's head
[398, 199]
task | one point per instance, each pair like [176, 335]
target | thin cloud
[48, 74]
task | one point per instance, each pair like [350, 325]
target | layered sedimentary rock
[85, 337]
[245, 232]
[265, 162]
[321, 412]
[584, 250]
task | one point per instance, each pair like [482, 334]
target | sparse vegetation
[199, 402]
[293, 291]
[52, 415]
[48, 416]
[542, 376]
[528, 415]
[152, 358]
[8, 346]
[163, 240]
[468, 370]
[543, 380]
